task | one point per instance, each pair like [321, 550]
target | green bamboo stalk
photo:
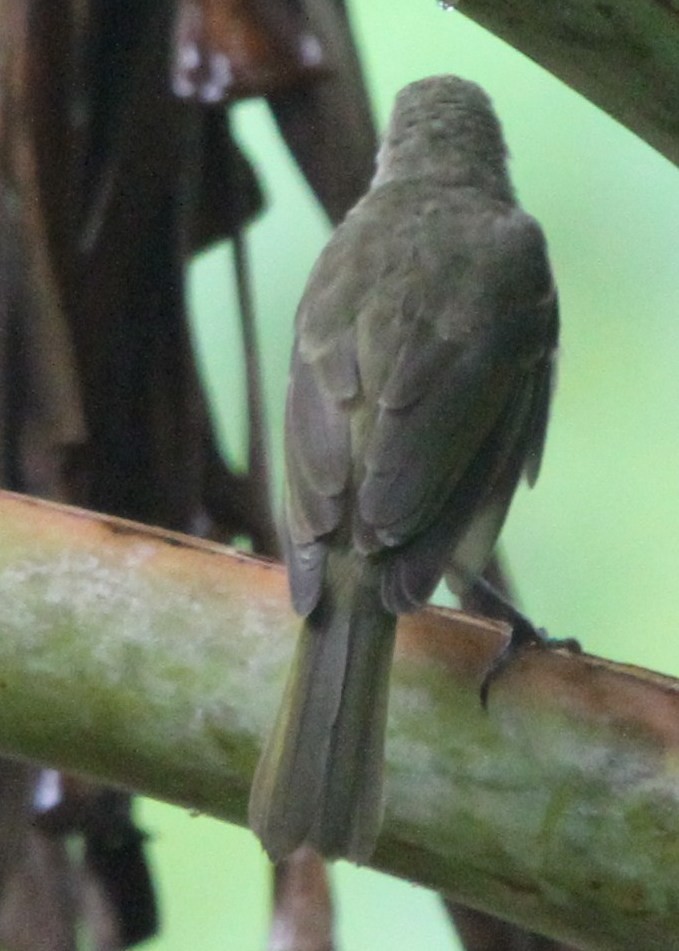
[154, 661]
[623, 55]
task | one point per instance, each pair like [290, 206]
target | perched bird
[418, 395]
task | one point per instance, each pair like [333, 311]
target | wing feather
[450, 446]
[471, 515]
[420, 382]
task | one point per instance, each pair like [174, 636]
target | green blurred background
[594, 548]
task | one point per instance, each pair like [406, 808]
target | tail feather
[319, 780]
[350, 813]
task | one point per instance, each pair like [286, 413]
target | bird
[419, 393]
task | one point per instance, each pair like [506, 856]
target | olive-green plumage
[418, 395]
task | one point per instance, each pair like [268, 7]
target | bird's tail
[319, 779]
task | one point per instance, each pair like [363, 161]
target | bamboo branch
[154, 661]
[623, 55]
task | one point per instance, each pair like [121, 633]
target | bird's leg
[483, 597]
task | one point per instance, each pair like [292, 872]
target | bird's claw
[524, 636]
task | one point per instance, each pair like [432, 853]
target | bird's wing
[463, 410]
[323, 386]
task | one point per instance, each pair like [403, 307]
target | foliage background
[594, 548]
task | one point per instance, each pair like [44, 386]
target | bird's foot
[524, 636]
